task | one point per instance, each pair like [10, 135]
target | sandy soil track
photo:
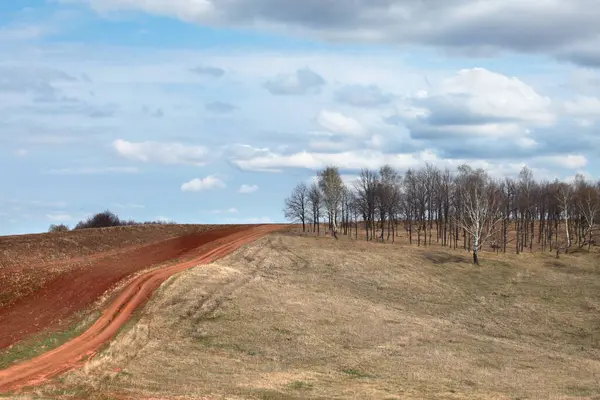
[76, 351]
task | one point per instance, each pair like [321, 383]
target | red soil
[80, 286]
[29, 262]
[58, 299]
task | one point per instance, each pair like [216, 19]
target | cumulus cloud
[163, 153]
[363, 96]
[476, 103]
[566, 29]
[210, 182]
[339, 123]
[219, 107]
[247, 189]
[214, 72]
[304, 81]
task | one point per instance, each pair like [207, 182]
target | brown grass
[293, 317]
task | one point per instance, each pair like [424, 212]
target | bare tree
[331, 185]
[464, 204]
[315, 202]
[481, 202]
[296, 206]
[366, 198]
[387, 194]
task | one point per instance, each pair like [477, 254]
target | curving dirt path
[81, 285]
[83, 347]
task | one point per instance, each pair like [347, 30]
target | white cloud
[585, 108]
[495, 95]
[210, 182]
[247, 189]
[354, 160]
[21, 152]
[570, 161]
[163, 153]
[227, 211]
[59, 217]
[476, 103]
[339, 123]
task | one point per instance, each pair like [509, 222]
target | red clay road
[76, 351]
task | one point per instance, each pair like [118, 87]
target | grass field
[300, 317]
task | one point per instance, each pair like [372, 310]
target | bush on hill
[107, 219]
[58, 228]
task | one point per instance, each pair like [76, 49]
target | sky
[211, 111]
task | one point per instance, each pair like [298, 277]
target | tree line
[465, 208]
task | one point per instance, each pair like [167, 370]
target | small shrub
[58, 228]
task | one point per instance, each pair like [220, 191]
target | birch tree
[588, 202]
[564, 196]
[332, 187]
[481, 212]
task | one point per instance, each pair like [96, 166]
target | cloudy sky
[208, 111]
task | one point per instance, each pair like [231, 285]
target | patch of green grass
[75, 392]
[300, 385]
[44, 342]
[356, 373]
[133, 320]
[577, 390]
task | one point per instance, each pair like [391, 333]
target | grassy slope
[301, 317]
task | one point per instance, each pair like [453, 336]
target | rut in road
[74, 352]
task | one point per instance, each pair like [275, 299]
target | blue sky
[208, 111]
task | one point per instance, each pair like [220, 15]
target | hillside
[300, 317]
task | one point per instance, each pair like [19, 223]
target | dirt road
[79, 287]
[76, 351]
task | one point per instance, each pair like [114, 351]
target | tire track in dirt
[78, 288]
[77, 351]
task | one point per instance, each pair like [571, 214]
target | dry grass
[293, 317]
